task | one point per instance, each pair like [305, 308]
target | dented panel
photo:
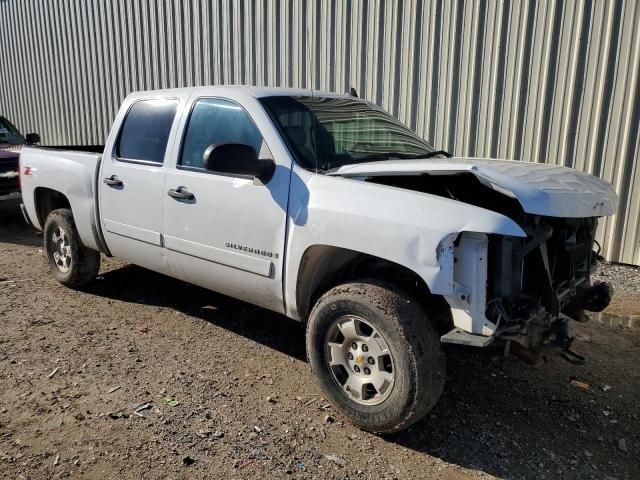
[412, 229]
[541, 189]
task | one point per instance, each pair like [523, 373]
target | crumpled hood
[541, 189]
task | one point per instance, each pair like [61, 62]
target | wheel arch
[323, 267]
[47, 200]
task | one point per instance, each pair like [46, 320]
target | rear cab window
[145, 131]
[214, 121]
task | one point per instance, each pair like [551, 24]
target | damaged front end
[536, 284]
[520, 290]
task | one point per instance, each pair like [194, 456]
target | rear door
[132, 182]
[229, 236]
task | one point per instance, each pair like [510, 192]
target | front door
[223, 232]
[132, 183]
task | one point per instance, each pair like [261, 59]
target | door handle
[113, 181]
[181, 193]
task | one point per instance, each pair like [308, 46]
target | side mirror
[32, 138]
[237, 159]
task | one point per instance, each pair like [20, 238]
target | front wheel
[71, 263]
[376, 355]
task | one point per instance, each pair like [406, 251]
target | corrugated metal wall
[549, 81]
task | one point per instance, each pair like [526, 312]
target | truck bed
[70, 172]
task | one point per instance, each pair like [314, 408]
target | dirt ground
[143, 376]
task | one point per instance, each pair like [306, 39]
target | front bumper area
[525, 290]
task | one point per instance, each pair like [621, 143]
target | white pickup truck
[328, 210]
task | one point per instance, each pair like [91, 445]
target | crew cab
[11, 142]
[326, 209]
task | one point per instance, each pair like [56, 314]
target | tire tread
[85, 261]
[411, 324]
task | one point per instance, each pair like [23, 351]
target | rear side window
[214, 121]
[145, 131]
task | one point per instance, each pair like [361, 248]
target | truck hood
[541, 189]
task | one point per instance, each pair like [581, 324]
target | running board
[460, 337]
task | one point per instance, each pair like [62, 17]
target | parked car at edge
[11, 142]
[327, 209]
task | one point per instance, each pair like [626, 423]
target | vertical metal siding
[546, 81]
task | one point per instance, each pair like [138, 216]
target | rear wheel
[71, 263]
[376, 355]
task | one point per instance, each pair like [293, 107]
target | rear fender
[71, 174]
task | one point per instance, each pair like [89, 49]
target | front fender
[409, 228]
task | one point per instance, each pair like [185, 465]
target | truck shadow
[503, 418]
[13, 229]
[257, 324]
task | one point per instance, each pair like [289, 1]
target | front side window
[214, 121]
[328, 132]
[145, 132]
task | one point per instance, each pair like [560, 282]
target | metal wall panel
[540, 80]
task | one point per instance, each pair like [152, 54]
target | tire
[71, 263]
[416, 365]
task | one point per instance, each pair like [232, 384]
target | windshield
[325, 133]
[9, 133]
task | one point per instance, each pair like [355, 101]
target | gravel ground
[143, 376]
[625, 279]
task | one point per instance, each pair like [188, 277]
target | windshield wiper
[388, 156]
[401, 155]
[438, 152]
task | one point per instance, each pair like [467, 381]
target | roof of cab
[258, 92]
